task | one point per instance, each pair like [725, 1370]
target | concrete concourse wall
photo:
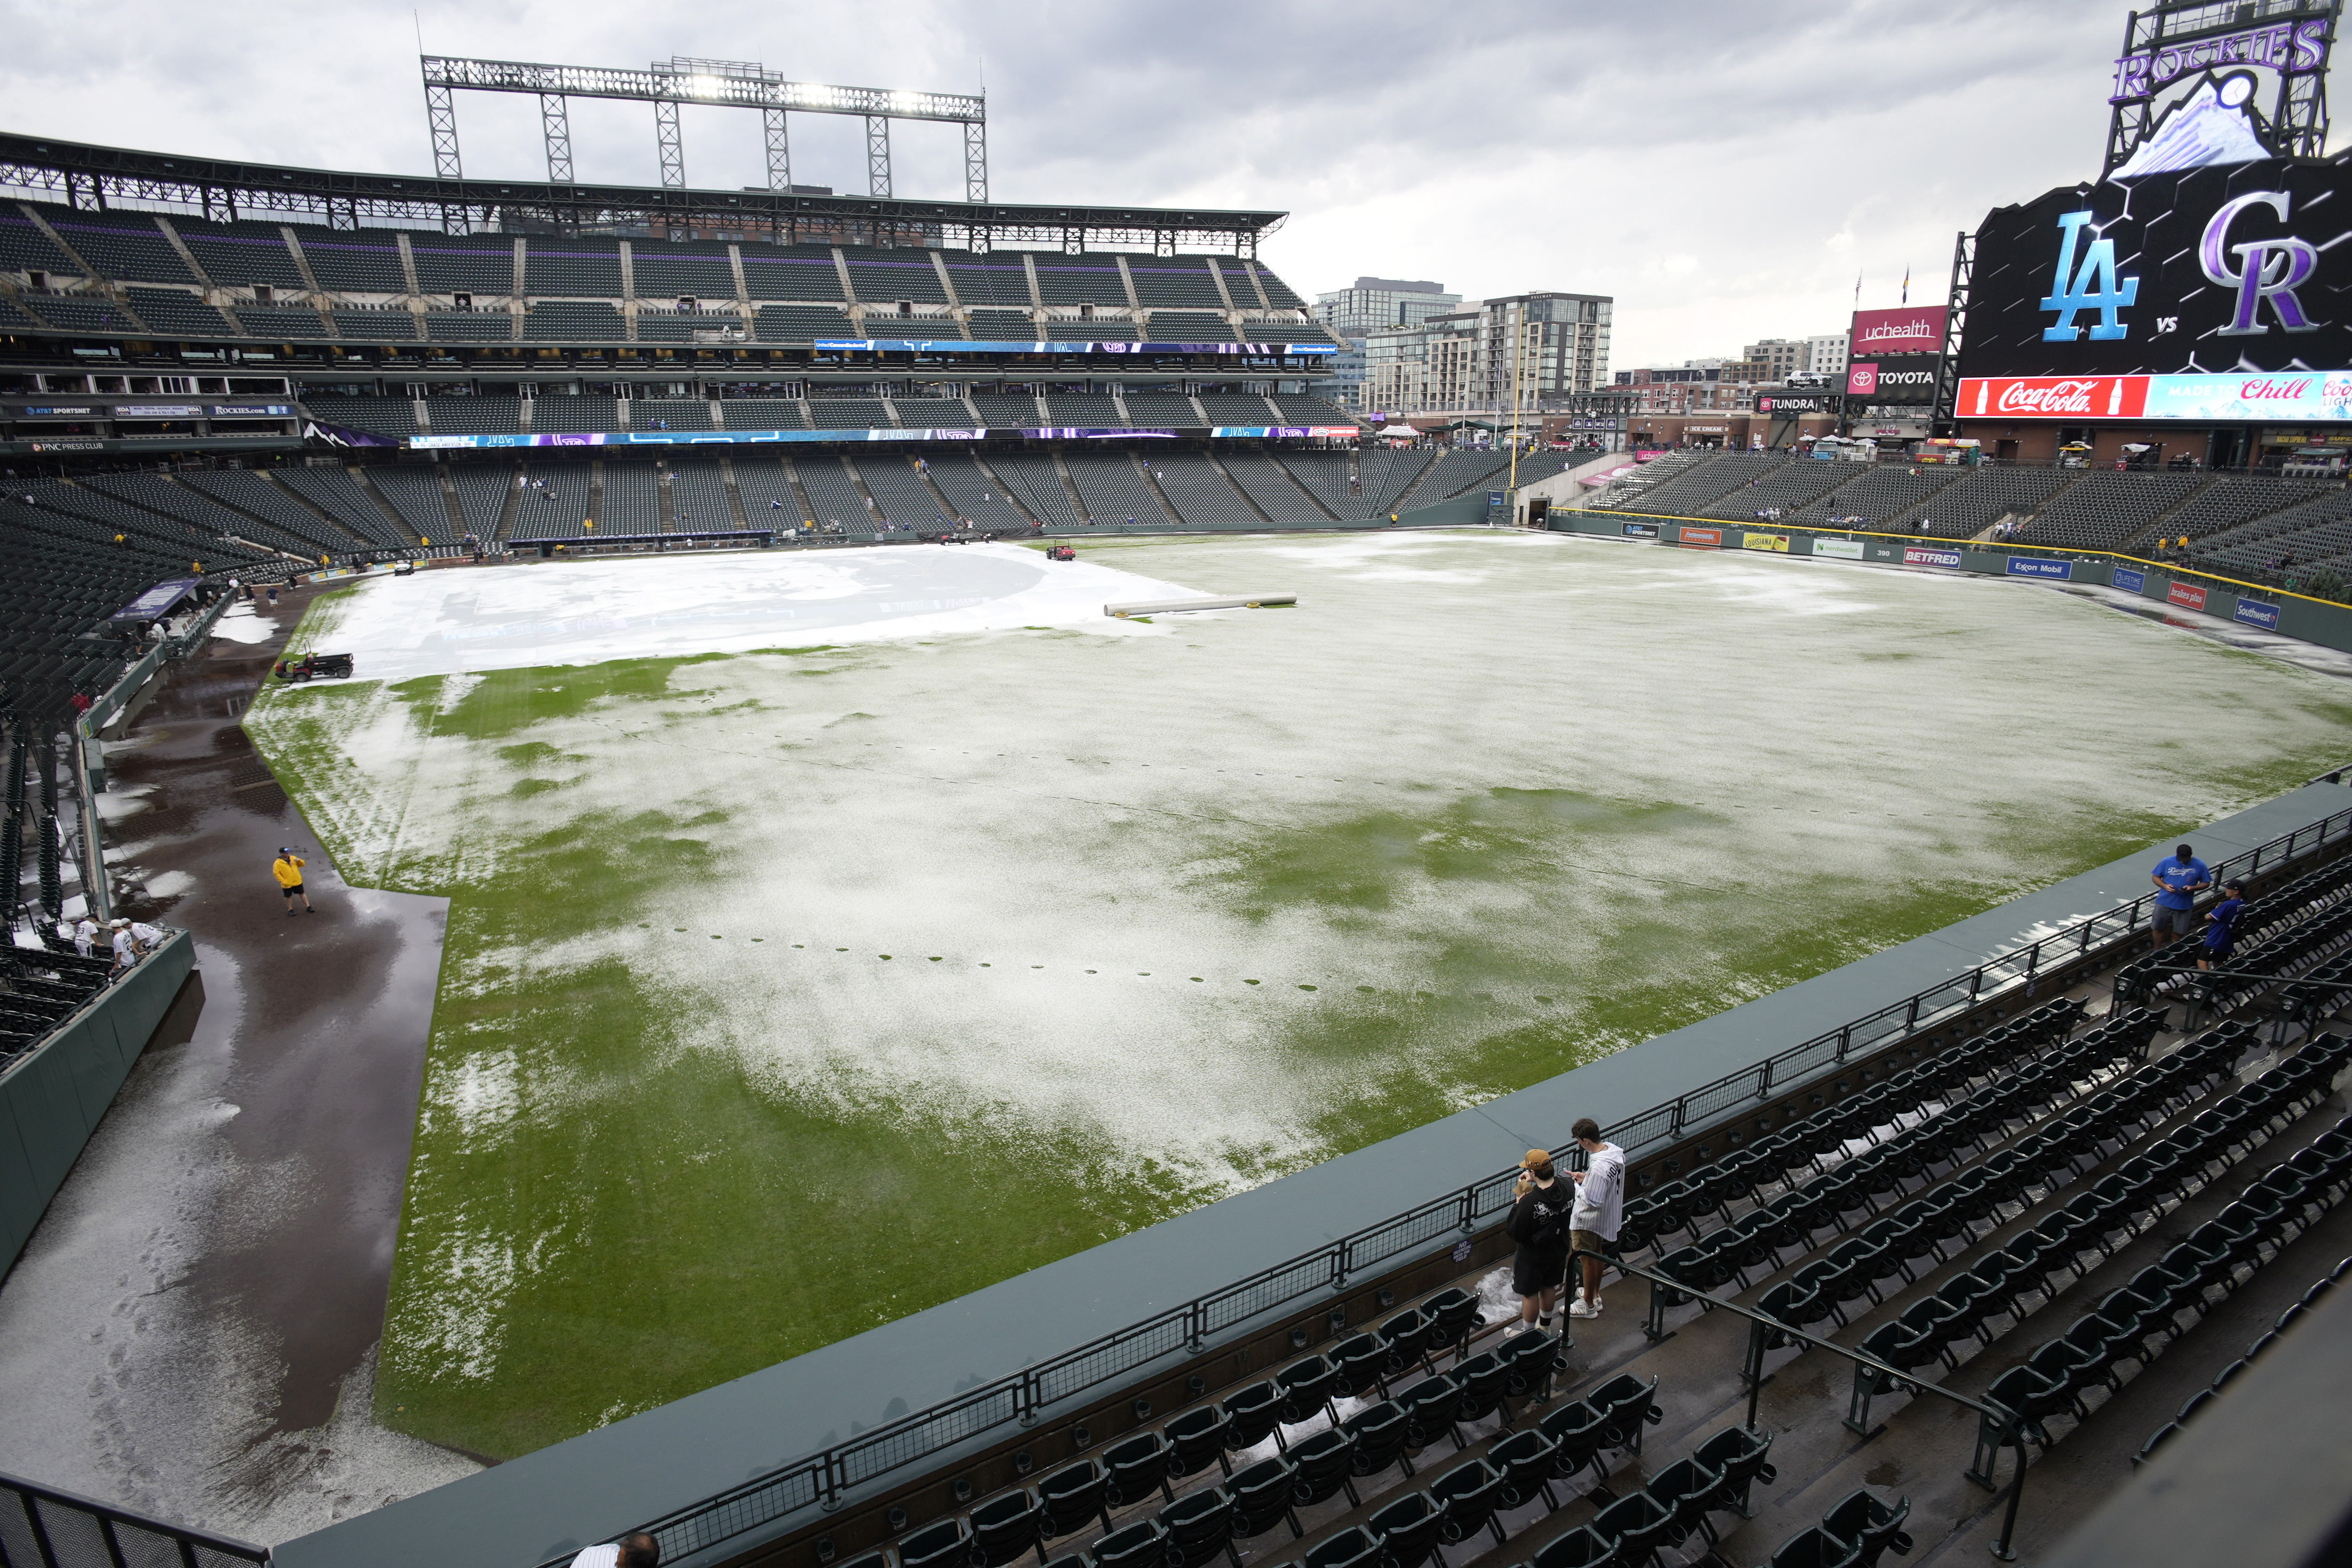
[2296, 615]
[52, 1100]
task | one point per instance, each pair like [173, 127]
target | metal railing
[1762, 1329]
[1022, 1398]
[41, 1527]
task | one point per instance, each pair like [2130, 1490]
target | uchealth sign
[2187, 596]
[1912, 330]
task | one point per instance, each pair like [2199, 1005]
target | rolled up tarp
[1168, 607]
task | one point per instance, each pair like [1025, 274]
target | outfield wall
[52, 1100]
[949, 1362]
[2298, 616]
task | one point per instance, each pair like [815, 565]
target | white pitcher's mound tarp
[455, 621]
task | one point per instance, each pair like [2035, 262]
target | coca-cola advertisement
[1911, 330]
[2209, 271]
[2053, 397]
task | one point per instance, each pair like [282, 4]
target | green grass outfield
[787, 993]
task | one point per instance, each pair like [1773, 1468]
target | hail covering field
[833, 935]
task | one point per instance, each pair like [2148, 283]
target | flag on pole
[1906, 286]
[1857, 290]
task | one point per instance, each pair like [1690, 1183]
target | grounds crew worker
[288, 869]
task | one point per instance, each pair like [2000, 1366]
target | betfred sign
[2187, 596]
[1921, 555]
[1913, 330]
[2053, 397]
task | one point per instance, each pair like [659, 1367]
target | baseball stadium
[936, 911]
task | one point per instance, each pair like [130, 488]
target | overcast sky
[1724, 170]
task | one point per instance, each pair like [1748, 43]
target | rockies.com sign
[2223, 268]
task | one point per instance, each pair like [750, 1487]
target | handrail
[111, 1524]
[2010, 1422]
[822, 1479]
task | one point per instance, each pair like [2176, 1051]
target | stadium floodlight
[727, 84]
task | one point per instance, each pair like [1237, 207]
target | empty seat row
[2229, 1373]
[1679, 1205]
[2137, 1322]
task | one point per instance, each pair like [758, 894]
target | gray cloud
[1724, 170]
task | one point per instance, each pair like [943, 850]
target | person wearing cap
[1599, 1208]
[2221, 924]
[288, 869]
[126, 947]
[2179, 881]
[1539, 1223]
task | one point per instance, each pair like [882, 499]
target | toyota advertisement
[1891, 355]
[1909, 380]
[2227, 285]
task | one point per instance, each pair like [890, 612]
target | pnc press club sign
[2228, 273]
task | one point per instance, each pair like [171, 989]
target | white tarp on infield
[452, 621]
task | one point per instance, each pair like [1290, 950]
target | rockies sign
[2224, 269]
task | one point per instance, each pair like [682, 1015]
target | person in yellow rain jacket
[288, 869]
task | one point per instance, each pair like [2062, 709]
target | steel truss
[555, 125]
[727, 84]
[1942, 413]
[2236, 36]
[92, 178]
[877, 154]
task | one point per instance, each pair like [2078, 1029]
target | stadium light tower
[667, 84]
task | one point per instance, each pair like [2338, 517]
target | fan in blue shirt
[2178, 880]
[2221, 925]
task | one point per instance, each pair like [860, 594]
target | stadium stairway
[2082, 1212]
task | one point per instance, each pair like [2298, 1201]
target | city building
[1774, 359]
[1825, 353]
[1541, 352]
[1353, 314]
